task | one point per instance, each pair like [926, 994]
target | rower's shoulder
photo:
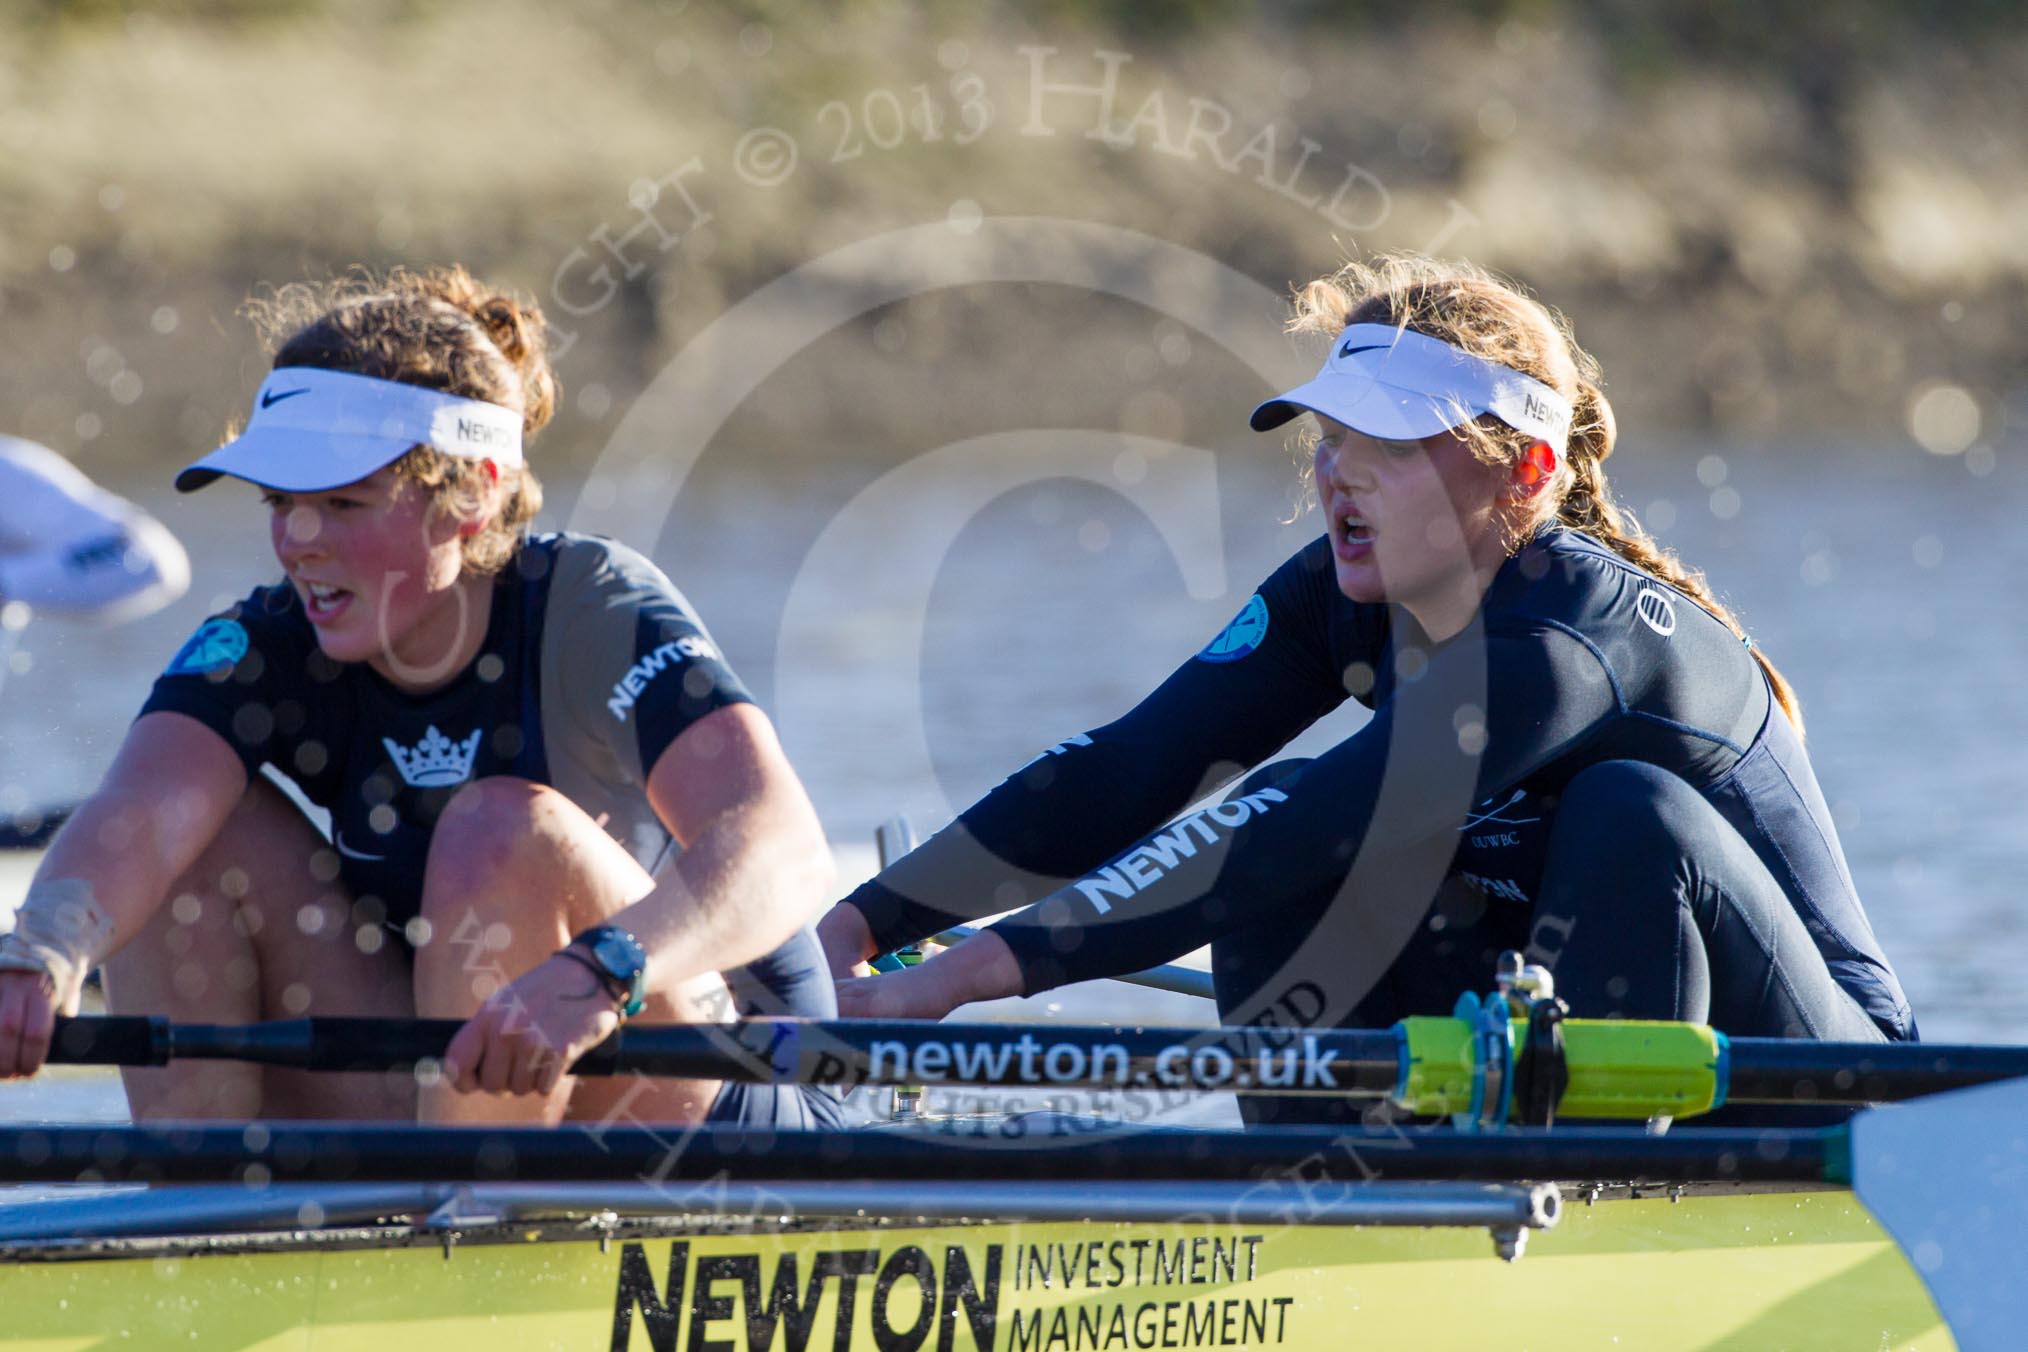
[570, 560]
[591, 576]
[1306, 577]
[273, 612]
[261, 638]
[1568, 579]
[1330, 631]
[1304, 588]
[545, 550]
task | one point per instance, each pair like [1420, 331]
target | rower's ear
[477, 520]
[1533, 469]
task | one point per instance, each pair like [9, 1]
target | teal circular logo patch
[1240, 637]
[216, 645]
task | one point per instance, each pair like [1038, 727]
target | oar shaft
[1782, 1070]
[790, 1051]
[1297, 1159]
[870, 1052]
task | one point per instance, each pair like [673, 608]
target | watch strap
[611, 984]
[631, 983]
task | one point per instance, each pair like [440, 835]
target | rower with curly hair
[552, 803]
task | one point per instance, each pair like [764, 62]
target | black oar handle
[110, 1042]
[311, 1044]
[320, 1044]
[793, 1051]
[731, 1051]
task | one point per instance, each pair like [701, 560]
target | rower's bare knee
[506, 844]
[515, 868]
[489, 833]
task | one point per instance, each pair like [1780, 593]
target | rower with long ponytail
[1572, 739]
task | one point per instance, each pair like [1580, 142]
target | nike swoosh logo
[338, 839]
[272, 397]
[1348, 349]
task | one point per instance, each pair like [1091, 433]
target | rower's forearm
[738, 892]
[1066, 812]
[125, 851]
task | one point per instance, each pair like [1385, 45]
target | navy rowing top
[1576, 657]
[593, 665]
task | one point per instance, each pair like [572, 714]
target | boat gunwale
[411, 1227]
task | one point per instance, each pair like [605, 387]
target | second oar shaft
[845, 1054]
[1784, 1070]
[848, 1053]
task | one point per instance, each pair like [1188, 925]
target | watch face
[620, 953]
[624, 960]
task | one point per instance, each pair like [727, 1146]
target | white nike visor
[1400, 385]
[313, 430]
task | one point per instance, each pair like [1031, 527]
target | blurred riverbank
[1794, 226]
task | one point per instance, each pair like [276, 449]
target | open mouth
[323, 602]
[1354, 528]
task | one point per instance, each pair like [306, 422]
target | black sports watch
[621, 962]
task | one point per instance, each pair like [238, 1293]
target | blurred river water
[920, 634]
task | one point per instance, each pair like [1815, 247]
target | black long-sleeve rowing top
[1576, 657]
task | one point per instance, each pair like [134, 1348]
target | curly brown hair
[444, 330]
[1473, 309]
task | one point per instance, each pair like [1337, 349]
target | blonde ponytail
[1587, 505]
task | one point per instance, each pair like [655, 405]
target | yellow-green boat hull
[1754, 1271]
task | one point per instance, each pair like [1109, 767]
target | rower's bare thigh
[260, 928]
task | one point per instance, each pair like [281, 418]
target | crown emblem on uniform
[437, 761]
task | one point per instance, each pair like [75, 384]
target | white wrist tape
[61, 931]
